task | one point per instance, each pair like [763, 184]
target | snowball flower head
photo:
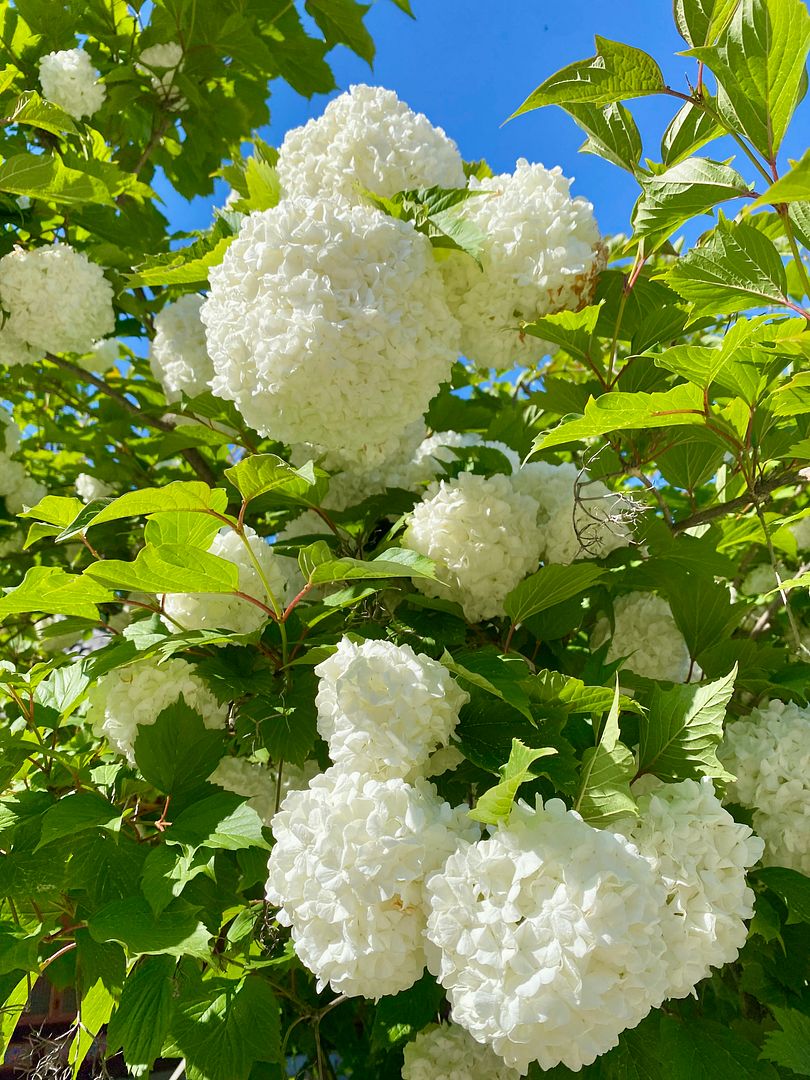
[769, 753]
[541, 254]
[162, 63]
[56, 299]
[367, 139]
[383, 709]
[547, 937]
[259, 783]
[131, 697]
[101, 357]
[17, 488]
[447, 1052]
[90, 487]
[437, 450]
[348, 874]
[179, 359]
[573, 528]
[326, 323]
[482, 535]
[69, 80]
[224, 611]
[701, 854]
[647, 635]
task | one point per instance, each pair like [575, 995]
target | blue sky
[468, 64]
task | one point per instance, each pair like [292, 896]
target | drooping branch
[761, 492]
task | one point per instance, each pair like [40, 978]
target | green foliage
[495, 805]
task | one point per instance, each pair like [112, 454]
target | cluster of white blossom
[179, 358]
[69, 80]
[259, 783]
[129, 698]
[225, 611]
[701, 854]
[319, 305]
[89, 487]
[448, 1052]
[348, 872]
[547, 937]
[367, 140]
[541, 254]
[101, 357]
[578, 517]
[482, 534]
[17, 488]
[769, 753]
[56, 300]
[645, 632]
[163, 63]
[383, 709]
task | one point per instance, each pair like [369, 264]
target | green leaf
[225, 1027]
[736, 268]
[617, 72]
[700, 22]
[760, 66]
[620, 411]
[573, 330]
[706, 1050]
[41, 176]
[175, 527]
[793, 887]
[141, 1022]
[178, 752]
[607, 769]
[188, 495]
[14, 1002]
[177, 931]
[187, 266]
[264, 188]
[172, 568]
[684, 726]
[55, 509]
[32, 110]
[684, 191]
[550, 585]
[52, 591]
[690, 129]
[341, 22]
[219, 821]
[612, 133]
[789, 1047]
[391, 563]
[439, 214]
[263, 474]
[76, 813]
[495, 805]
[501, 676]
[794, 186]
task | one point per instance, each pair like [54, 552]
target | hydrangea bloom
[131, 697]
[448, 1052]
[224, 611]
[548, 937]
[56, 299]
[367, 139]
[69, 80]
[162, 63]
[90, 487]
[383, 709]
[179, 359]
[701, 853]
[570, 529]
[259, 783]
[348, 874]
[17, 488]
[437, 450]
[482, 535]
[542, 254]
[320, 309]
[769, 753]
[101, 357]
[647, 635]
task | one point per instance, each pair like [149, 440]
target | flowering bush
[405, 613]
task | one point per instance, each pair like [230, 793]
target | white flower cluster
[17, 488]
[548, 937]
[101, 357]
[224, 611]
[179, 358]
[645, 632]
[572, 527]
[701, 853]
[367, 139]
[69, 80]
[482, 534]
[348, 873]
[541, 254]
[448, 1052]
[90, 487]
[128, 698]
[319, 305]
[769, 753]
[56, 300]
[163, 63]
[259, 783]
[383, 709]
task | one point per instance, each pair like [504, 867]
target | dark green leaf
[140, 1023]
[178, 752]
